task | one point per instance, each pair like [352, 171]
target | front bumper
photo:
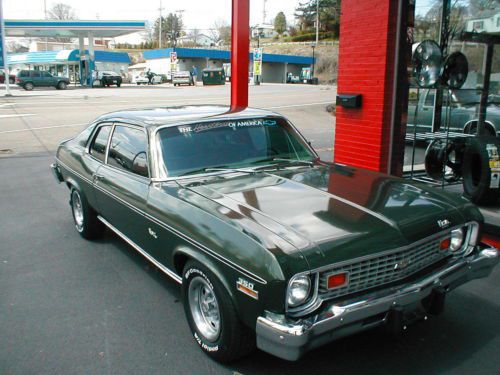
[395, 307]
[56, 172]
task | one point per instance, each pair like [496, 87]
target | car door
[122, 182]
[48, 79]
[36, 77]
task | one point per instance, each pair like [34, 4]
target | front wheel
[28, 86]
[212, 316]
[62, 85]
[86, 221]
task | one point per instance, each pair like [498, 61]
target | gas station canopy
[71, 28]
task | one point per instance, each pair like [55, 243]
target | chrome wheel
[76, 204]
[204, 308]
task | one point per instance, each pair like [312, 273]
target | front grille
[383, 269]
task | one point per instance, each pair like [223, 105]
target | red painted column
[240, 44]
[367, 47]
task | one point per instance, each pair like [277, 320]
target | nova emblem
[152, 233]
[445, 223]
[402, 264]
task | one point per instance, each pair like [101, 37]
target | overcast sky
[197, 13]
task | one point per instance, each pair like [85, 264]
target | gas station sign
[257, 61]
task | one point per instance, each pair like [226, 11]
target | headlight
[457, 239]
[298, 290]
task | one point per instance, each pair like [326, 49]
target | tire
[118, 84]
[230, 339]
[478, 179]
[441, 156]
[138, 83]
[12, 81]
[28, 86]
[84, 216]
[62, 86]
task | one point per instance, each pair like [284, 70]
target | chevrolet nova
[273, 247]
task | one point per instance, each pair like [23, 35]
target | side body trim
[164, 269]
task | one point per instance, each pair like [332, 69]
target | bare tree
[61, 11]
[220, 32]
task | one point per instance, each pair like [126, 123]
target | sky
[199, 14]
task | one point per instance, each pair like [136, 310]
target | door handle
[98, 177]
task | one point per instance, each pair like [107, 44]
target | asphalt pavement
[70, 306]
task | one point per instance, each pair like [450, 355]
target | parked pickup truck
[28, 79]
[463, 113]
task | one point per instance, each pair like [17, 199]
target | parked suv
[28, 79]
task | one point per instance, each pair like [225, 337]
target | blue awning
[64, 56]
[212, 54]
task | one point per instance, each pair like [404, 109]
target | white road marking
[18, 115]
[42, 128]
[7, 104]
[82, 124]
[298, 105]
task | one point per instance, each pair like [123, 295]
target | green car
[29, 79]
[273, 247]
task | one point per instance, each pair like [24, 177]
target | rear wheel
[118, 84]
[86, 221]
[471, 128]
[62, 85]
[28, 86]
[212, 316]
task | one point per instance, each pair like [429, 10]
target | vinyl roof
[151, 117]
[71, 28]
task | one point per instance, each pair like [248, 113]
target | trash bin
[213, 76]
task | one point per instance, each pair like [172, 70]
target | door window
[46, 75]
[128, 150]
[35, 74]
[100, 142]
[429, 100]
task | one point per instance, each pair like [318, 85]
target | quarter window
[100, 142]
[128, 150]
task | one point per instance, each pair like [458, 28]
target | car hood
[331, 213]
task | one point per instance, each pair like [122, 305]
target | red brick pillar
[364, 137]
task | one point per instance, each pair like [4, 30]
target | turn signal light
[445, 244]
[337, 280]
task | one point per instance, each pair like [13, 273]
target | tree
[280, 23]
[194, 35]
[329, 20]
[171, 29]
[61, 11]
[220, 32]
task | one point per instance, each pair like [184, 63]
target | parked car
[271, 245]
[142, 79]
[108, 78]
[29, 79]
[182, 78]
[12, 77]
[463, 112]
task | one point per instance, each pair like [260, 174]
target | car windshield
[238, 143]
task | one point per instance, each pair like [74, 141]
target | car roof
[159, 116]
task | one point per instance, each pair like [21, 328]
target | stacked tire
[481, 170]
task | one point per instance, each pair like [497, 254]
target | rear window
[24, 73]
[234, 143]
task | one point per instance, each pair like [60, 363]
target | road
[70, 306]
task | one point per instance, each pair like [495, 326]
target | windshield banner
[226, 124]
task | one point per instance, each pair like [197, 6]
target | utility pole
[45, 15]
[4, 52]
[317, 22]
[264, 13]
[159, 26]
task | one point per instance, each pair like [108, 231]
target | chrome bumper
[395, 307]
[57, 173]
